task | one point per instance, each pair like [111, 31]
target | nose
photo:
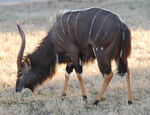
[18, 90]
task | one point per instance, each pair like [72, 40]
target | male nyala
[77, 38]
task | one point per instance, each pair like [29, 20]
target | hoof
[64, 94]
[84, 98]
[129, 102]
[96, 102]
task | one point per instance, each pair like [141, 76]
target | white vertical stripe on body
[101, 26]
[76, 23]
[57, 33]
[68, 25]
[62, 26]
[93, 23]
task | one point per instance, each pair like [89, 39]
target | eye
[20, 74]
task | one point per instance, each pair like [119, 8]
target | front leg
[69, 69]
[80, 78]
[78, 69]
[65, 86]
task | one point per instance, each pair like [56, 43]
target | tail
[125, 50]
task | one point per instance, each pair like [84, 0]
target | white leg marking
[94, 52]
[22, 90]
[67, 74]
[80, 74]
[57, 58]
[121, 53]
[80, 62]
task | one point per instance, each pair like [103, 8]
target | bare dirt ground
[36, 19]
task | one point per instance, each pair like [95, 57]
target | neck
[43, 60]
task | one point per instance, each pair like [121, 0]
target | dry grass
[47, 99]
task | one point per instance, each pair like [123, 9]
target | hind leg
[78, 69]
[104, 63]
[107, 79]
[69, 69]
[74, 57]
[128, 86]
[80, 78]
[122, 69]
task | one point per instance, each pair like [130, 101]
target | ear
[27, 61]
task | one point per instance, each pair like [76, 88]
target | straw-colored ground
[36, 19]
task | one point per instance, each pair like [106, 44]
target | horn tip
[17, 23]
